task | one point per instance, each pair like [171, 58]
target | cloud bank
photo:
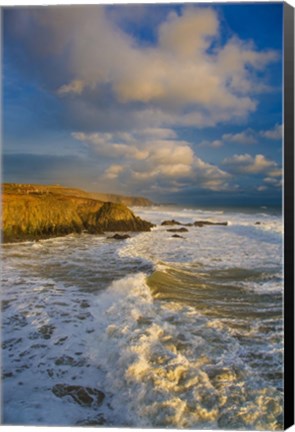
[126, 98]
[154, 158]
[187, 77]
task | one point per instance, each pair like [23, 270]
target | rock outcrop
[203, 223]
[175, 230]
[84, 396]
[119, 237]
[118, 217]
[170, 222]
[32, 213]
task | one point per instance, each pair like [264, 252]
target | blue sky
[178, 103]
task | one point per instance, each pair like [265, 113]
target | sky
[175, 102]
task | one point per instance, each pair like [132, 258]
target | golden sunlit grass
[38, 211]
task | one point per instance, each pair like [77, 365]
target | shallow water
[176, 332]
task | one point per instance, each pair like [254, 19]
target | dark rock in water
[118, 217]
[46, 331]
[84, 396]
[257, 223]
[120, 237]
[66, 360]
[178, 230]
[84, 304]
[202, 223]
[170, 222]
[7, 375]
[188, 224]
[177, 236]
[95, 421]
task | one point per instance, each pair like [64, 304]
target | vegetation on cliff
[117, 217]
[33, 212]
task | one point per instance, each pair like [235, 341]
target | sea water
[176, 332]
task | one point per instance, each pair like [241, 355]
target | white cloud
[247, 137]
[276, 133]
[247, 164]
[273, 182]
[179, 80]
[113, 171]
[244, 137]
[75, 86]
[148, 160]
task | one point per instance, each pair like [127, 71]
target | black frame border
[288, 215]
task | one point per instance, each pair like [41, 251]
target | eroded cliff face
[33, 212]
[118, 217]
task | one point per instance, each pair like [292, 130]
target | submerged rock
[177, 236]
[118, 217]
[46, 331]
[94, 421]
[170, 222]
[178, 230]
[120, 237]
[66, 360]
[84, 396]
[202, 223]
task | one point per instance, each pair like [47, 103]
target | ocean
[176, 332]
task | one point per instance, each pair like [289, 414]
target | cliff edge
[31, 212]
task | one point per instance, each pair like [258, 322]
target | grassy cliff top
[37, 211]
[36, 189]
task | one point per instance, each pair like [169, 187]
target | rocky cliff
[33, 212]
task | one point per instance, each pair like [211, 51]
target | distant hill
[38, 211]
[127, 200]
[57, 189]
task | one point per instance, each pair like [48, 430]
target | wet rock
[119, 237]
[84, 396]
[175, 230]
[9, 343]
[170, 222]
[61, 340]
[84, 304]
[95, 421]
[46, 331]
[5, 305]
[83, 316]
[7, 375]
[68, 361]
[18, 321]
[177, 236]
[203, 223]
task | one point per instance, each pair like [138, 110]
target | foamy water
[176, 332]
